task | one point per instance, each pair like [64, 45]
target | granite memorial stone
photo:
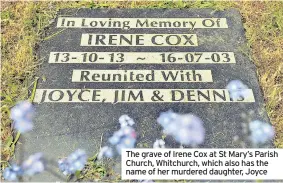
[100, 64]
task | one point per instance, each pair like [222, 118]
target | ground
[23, 24]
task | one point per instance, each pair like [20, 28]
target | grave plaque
[101, 64]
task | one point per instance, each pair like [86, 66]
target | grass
[23, 26]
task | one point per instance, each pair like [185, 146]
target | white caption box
[225, 164]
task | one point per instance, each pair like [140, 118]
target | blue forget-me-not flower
[260, 132]
[186, 129]
[105, 152]
[33, 165]
[12, 173]
[237, 90]
[74, 162]
[22, 115]
[159, 144]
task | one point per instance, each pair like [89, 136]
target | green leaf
[12, 150]
[78, 174]
[5, 108]
[9, 141]
[93, 157]
[43, 78]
